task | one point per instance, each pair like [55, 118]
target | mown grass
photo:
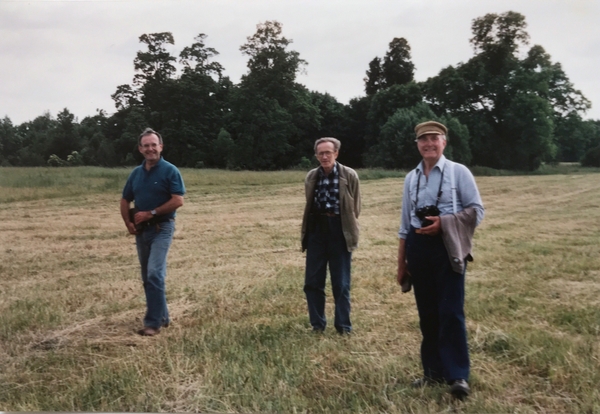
[71, 300]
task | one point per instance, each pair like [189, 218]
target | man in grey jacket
[330, 234]
[441, 206]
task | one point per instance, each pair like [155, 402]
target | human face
[326, 156]
[150, 147]
[431, 147]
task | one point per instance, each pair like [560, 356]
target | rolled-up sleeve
[406, 204]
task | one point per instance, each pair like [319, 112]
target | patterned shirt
[327, 192]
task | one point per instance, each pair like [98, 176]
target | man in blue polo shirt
[158, 190]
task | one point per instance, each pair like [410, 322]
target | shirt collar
[440, 164]
[334, 171]
[154, 166]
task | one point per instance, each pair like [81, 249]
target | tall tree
[188, 109]
[197, 106]
[374, 81]
[354, 144]
[271, 113]
[35, 137]
[511, 105]
[197, 58]
[398, 69]
[10, 142]
[155, 64]
[271, 65]
[65, 135]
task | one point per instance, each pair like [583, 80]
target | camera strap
[439, 195]
[450, 165]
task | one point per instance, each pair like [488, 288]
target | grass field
[71, 299]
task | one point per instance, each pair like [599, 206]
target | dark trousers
[440, 296]
[326, 244]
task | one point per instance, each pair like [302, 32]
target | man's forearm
[402, 252]
[173, 204]
[125, 210]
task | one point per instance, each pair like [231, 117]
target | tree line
[508, 107]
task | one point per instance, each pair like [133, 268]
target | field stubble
[71, 299]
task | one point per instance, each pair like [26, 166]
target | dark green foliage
[506, 108]
[574, 136]
[591, 158]
[374, 80]
[272, 116]
[396, 69]
[334, 121]
[511, 106]
[386, 102]
[64, 135]
[396, 147]
[222, 149]
[354, 143]
[10, 143]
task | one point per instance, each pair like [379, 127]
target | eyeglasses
[152, 145]
[324, 154]
[429, 138]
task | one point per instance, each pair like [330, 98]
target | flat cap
[430, 127]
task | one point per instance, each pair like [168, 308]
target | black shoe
[318, 331]
[344, 332]
[425, 382]
[460, 389]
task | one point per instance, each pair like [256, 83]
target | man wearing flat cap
[441, 207]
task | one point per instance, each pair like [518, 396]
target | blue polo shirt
[153, 188]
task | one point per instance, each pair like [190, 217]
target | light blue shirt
[467, 194]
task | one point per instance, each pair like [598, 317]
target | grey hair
[149, 131]
[336, 143]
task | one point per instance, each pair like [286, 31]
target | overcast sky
[74, 54]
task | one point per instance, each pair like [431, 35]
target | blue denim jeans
[440, 297]
[152, 247]
[326, 244]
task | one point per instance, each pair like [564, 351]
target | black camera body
[427, 211]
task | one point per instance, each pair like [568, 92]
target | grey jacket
[457, 233]
[349, 204]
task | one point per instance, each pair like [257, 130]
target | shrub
[75, 159]
[591, 158]
[56, 161]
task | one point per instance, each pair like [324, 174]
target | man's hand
[131, 228]
[142, 216]
[433, 229]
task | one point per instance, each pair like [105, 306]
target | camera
[427, 211]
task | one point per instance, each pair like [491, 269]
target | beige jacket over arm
[349, 204]
[457, 232]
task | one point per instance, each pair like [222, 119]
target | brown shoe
[148, 331]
